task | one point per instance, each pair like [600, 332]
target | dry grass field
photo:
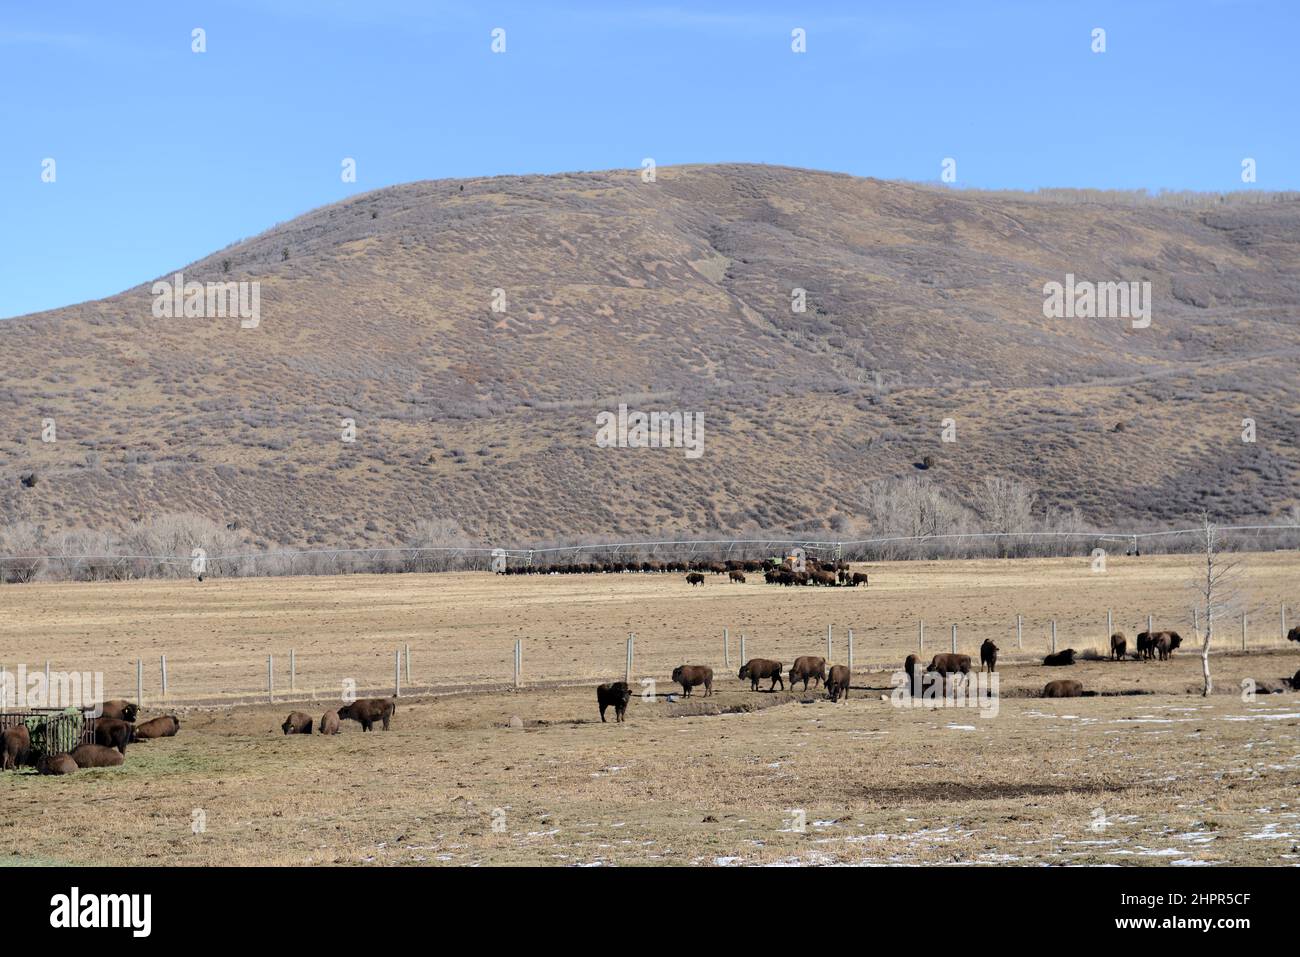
[1158, 775]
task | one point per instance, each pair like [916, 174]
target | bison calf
[756, 669]
[1063, 688]
[164, 727]
[838, 682]
[96, 756]
[688, 676]
[614, 695]
[297, 723]
[1060, 658]
[807, 667]
[114, 733]
[16, 743]
[329, 723]
[367, 711]
[988, 655]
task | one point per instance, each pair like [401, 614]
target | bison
[756, 669]
[859, 578]
[119, 708]
[366, 711]
[298, 722]
[807, 667]
[96, 756]
[988, 656]
[114, 733]
[329, 723]
[695, 578]
[913, 668]
[614, 695]
[1059, 658]
[1118, 646]
[164, 727]
[56, 764]
[16, 743]
[950, 664]
[1293, 634]
[688, 676]
[838, 682]
[737, 577]
[1165, 643]
[1062, 688]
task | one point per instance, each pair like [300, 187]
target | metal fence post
[397, 673]
[631, 640]
[829, 629]
[519, 660]
[139, 682]
[920, 636]
[726, 649]
[850, 651]
[270, 677]
[954, 639]
[293, 670]
[1053, 636]
[1020, 641]
[163, 660]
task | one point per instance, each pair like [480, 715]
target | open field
[462, 627]
[1154, 775]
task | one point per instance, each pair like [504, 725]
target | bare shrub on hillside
[23, 548]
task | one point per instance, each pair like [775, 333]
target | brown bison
[808, 667]
[119, 708]
[1165, 643]
[988, 656]
[615, 695]
[1062, 688]
[838, 682]
[298, 722]
[756, 669]
[1295, 681]
[164, 727]
[114, 733]
[859, 578]
[695, 578]
[950, 664]
[913, 668]
[329, 723]
[96, 756]
[1293, 634]
[1118, 646]
[737, 577]
[688, 676]
[56, 764]
[366, 711]
[1060, 658]
[16, 743]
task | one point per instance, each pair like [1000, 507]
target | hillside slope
[923, 304]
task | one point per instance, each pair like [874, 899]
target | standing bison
[737, 577]
[366, 711]
[688, 676]
[838, 682]
[695, 578]
[614, 695]
[988, 655]
[16, 743]
[1118, 646]
[859, 578]
[114, 733]
[808, 667]
[298, 722]
[119, 708]
[756, 669]
[1165, 643]
[329, 723]
[1293, 634]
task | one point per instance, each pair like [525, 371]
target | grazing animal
[366, 711]
[298, 722]
[737, 577]
[688, 676]
[756, 669]
[164, 727]
[1063, 688]
[1295, 681]
[1166, 642]
[119, 708]
[838, 682]
[1118, 646]
[114, 733]
[950, 664]
[913, 668]
[16, 742]
[1060, 658]
[808, 667]
[56, 764]
[329, 723]
[988, 656]
[614, 695]
[1293, 634]
[695, 578]
[859, 578]
[96, 756]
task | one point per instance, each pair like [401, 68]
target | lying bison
[329, 723]
[695, 578]
[164, 727]
[1059, 659]
[1063, 688]
[16, 742]
[1118, 646]
[756, 669]
[298, 722]
[96, 756]
[56, 764]
[119, 708]
[806, 668]
[988, 655]
[114, 733]
[366, 711]
[614, 695]
[838, 682]
[688, 676]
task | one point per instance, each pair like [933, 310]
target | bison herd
[113, 730]
[807, 572]
[365, 711]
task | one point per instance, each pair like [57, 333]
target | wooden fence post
[829, 629]
[920, 636]
[1053, 636]
[1243, 631]
[270, 677]
[397, 673]
[293, 670]
[954, 639]
[850, 651]
[139, 682]
[163, 660]
[519, 660]
[726, 649]
[408, 664]
[743, 659]
[631, 640]
[1020, 643]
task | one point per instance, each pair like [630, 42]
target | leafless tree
[1218, 591]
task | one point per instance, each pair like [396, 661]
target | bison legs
[602, 713]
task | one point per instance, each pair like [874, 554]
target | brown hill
[923, 304]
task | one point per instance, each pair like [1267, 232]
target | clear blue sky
[164, 155]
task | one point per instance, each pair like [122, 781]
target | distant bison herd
[807, 572]
[367, 712]
[113, 730]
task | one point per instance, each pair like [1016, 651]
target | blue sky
[164, 155]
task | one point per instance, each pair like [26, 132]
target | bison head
[677, 673]
[744, 672]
